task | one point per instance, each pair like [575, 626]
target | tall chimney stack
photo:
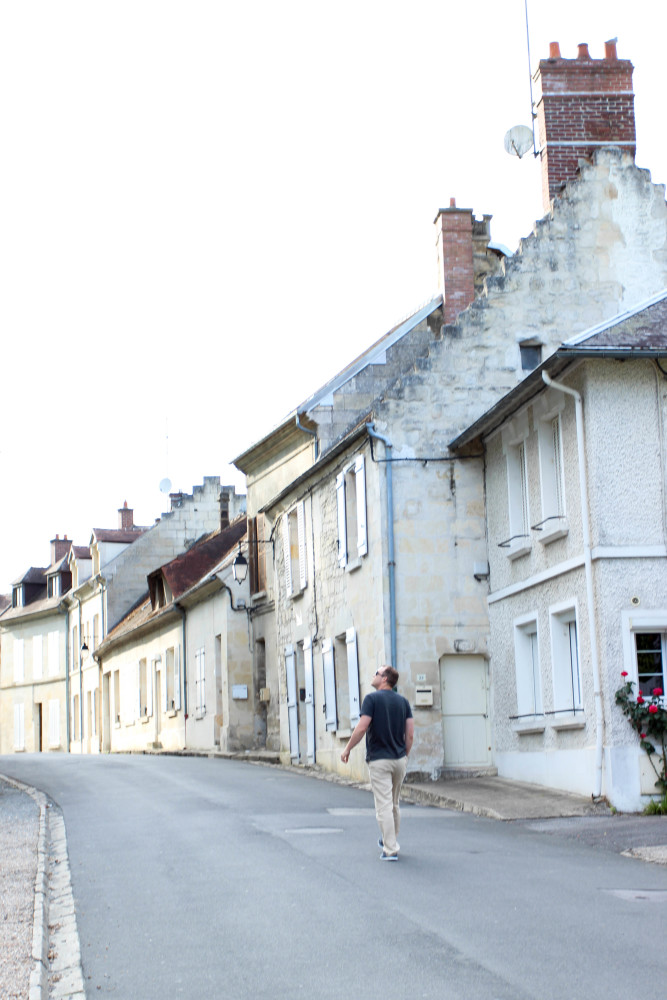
[455, 264]
[125, 518]
[59, 548]
[582, 104]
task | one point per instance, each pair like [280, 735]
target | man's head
[385, 677]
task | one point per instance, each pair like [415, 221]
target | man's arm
[409, 735]
[356, 737]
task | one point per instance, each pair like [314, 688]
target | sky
[207, 209]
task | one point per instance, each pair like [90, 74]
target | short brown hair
[390, 675]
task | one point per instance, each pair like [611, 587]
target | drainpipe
[181, 612]
[588, 565]
[63, 609]
[309, 431]
[78, 601]
[390, 540]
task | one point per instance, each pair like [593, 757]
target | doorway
[38, 727]
[465, 716]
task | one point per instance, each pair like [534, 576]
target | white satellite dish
[518, 140]
[165, 486]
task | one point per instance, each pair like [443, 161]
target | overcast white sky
[208, 209]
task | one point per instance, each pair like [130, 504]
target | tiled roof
[187, 569]
[640, 330]
[35, 574]
[80, 552]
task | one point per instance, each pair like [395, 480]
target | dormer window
[157, 591]
[17, 596]
[53, 585]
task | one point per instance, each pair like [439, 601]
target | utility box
[264, 694]
[423, 696]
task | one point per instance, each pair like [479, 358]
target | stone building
[412, 585]
[33, 658]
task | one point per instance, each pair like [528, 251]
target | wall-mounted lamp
[480, 570]
[84, 648]
[240, 567]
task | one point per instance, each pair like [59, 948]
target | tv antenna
[520, 138]
[165, 484]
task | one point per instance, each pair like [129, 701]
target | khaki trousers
[386, 780]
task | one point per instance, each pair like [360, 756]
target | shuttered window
[19, 727]
[294, 550]
[329, 677]
[54, 723]
[37, 657]
[19, 668]
[54, 654]
[351, 508]
[200, 682]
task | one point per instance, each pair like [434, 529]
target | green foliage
[648, 717]
[657, 807]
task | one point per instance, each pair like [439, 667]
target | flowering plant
[648, 716]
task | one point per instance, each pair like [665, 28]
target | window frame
[528, 671]
[638, 622]
[568, 677]
[351, 553]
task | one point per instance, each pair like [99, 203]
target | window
[565, 660]
[54, 653]
[257, 554]
[200, 683]
[651, 650]
[145, 690]
[527, 661]
[19, 727]
[76, 652]
[53, 585]
[351, 500]
[76, 717]
[17, 596]
[341, 682]
[19, 667]
[168, 681]
[96, 631]
[531, 355]
[294, 545]
[37, 657]
[553, 524]
[519, 516]
[54, 723]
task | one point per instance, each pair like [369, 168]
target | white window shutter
[165, 683]
[54, 723]
[310, 697]
[292, 707]
[37, 657]
[18, 661]
[301, 532]
[331, 716]
[54, 654]
[287, 556]
[137, 690]
[177, 678]
[362, 530]
[353, 674]
[342, 527]
[150, 670]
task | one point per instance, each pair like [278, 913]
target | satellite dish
[165, 486]
[518, 140]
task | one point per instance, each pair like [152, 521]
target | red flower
[640, 700]
[624, 673]
[642, 736]
[657, 692]
[653, 709]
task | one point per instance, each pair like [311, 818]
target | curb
[39, 977]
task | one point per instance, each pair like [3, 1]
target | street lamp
[240, 567]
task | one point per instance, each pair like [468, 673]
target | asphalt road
[197, 878]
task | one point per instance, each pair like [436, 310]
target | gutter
[181, 612]
[588, 568]
[309, 431]
[390, 539]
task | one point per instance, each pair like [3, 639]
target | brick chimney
[125, 518]
[224, 508]
[582, 104]
[59, 548]
[455, 266]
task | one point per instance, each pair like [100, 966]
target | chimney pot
[554, 50]
[583, 51]
[452, 202]
[125, 518]
[610, 49]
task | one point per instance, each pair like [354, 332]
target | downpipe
[588, 567]
[390, 538]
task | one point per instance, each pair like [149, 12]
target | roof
[639, 332]
[182, 574]
[35, 574]
[186, 570]
[324, 395]
[80, 552]
[38, 607]
[5, 602]
[118, 535]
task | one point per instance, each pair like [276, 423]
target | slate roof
[119, 535]
[80, 552]
[35, 574]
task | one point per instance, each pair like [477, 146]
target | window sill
[296, 594]
[518, 551]
[199, 715]
[343, 734]
[353, 564]
[259, 596]
[145, 719]
[528, 727]
[55, 746]
[172, 714]
[577, 721]
[553, 534]
[116, 725]
[129, 723]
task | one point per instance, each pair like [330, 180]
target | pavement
[52, 944]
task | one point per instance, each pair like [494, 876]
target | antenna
[520, 138]
[165, 484]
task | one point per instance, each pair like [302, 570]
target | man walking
[386, 719]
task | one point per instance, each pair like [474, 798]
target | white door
[310, 699]
[465, 722]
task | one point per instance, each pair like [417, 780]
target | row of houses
[479, 498]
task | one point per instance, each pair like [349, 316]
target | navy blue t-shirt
[385, 737]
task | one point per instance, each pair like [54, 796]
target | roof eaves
[607, 324]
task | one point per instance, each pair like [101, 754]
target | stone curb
[39, 977]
